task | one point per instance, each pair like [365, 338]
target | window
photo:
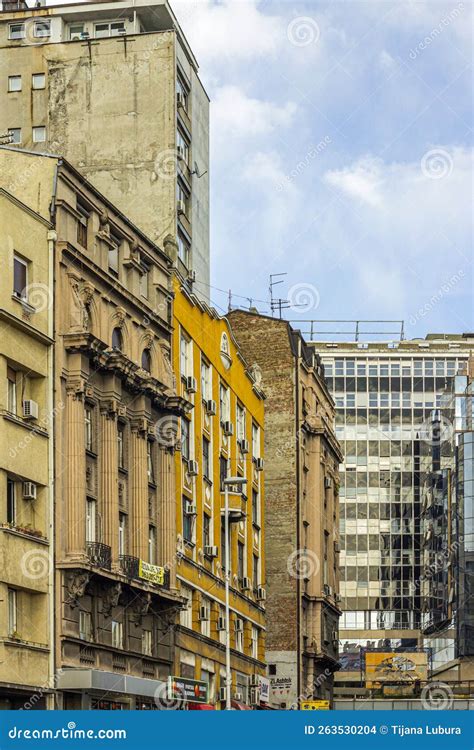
[223, 545]
[14, 83]
[254, 642]
[122, 534]
[187, 522]
[146, 360]
[38, 81]
[185, 444]
[144, 276]
[117, 634]
[184, 356]
[182, 146]
[186, 614]
[205, 381]
[20, 277]
[255, 571]
[146, 643]
[255, 441]
[117, 339]
[85, 626]
[11, 390]
[325, 560]
[182, 92]
[240, 422]
[150, 462]
[76, 30]
[222, 471]
[82, 225]
[42, 29]
[90, 520]
[16, 31]
[88, 421]
[240, 560]
[182, 195]
[255, 513]
[152, 545]
[206, 462]
[206, 530]
[12, 612]
[184, 249]
[114, 260]
[206, 624]
[15, 135]
[109, 29]
[121, 446]
[39, 134]
[239, 640]
[224, 403]
[11, 501]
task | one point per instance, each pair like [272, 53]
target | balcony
[100, 555]
[129, 565]
[132, 568]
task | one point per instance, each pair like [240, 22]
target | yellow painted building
[221, 436]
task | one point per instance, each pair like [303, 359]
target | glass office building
[387, 395]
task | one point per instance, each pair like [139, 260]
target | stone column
[167, 514]
[75, 464]
[108, 453]
[139, 519]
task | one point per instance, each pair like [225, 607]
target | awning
[240, 706]
[200, 707]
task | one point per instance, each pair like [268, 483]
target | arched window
[146, 360]
[117, 339]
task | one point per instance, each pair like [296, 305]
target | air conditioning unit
[179, 99]
[327, 482]
[238, 697]
[221, 623]
[211, 551]
[246, 584]
[181, 207]
[191, 384]
[211, 407]
[30, 409]
[337, 547]
[254, 696]
[261, 594]
[327, 590]
[259, 464]
[254, 680]
[29, 491]
[239, 625]
[190, 509]
[204, 613]
[223, 694]
[180, 152]
[244, 445]
[228, 428]
[193, 468]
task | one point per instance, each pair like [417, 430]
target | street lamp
[229, 482]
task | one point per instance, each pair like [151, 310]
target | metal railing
[99, 554]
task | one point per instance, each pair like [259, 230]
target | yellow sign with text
[152, 573]
[315, 706]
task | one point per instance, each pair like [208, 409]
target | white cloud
[236, 114]
[362, 180]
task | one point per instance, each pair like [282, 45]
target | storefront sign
[315, 706]
[264, 685]
[152, 573]
[191, 691]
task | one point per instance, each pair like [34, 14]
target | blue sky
[341, 142]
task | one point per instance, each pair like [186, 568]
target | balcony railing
[129, 565]
[100, 554]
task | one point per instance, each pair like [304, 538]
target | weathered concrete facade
[115, 592]
[301, 510]
[113, 87]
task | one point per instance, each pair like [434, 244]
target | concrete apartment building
[116, 599]
[113, 87]
[222, 436]
[385, 394]
[26, 458]
[302, 459]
